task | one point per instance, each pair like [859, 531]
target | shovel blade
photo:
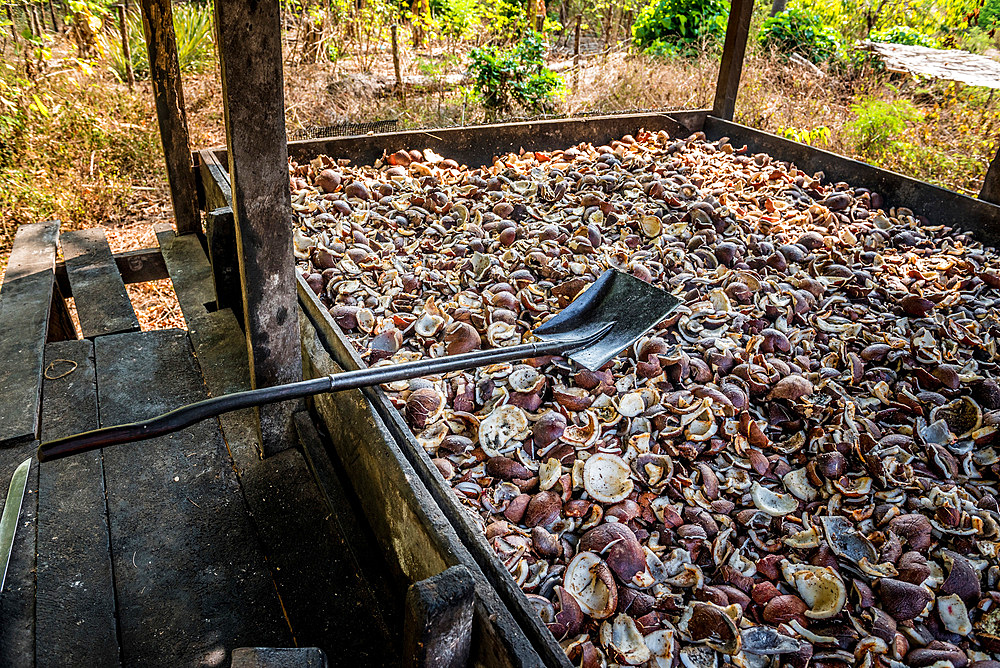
[618, 302]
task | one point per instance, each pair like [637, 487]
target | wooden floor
[177, 550]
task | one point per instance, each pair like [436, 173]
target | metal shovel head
[619, 303]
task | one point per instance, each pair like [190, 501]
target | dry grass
[97, 160]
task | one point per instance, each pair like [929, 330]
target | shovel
[605, 319]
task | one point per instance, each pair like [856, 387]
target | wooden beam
[737, 32]
[249, 42]
[990, 192]
[437, 628]
[165, 73]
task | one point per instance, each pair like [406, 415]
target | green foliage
[989, 15]
[855, 19]
[818, 135]
[458, 18]
[877, 124]
[902, 35]
[514, 77]
[506, 20]
[800, 31]
[193, 27]
[684, 23]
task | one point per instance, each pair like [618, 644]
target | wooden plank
[733, 51]
[253, 98]
[220, 228]
[939, 205]
[102, 304]
[191, 580]
[25, 301]
[279, 657]
[75, 605]
[990, 192]
[438, 627]
[165, 73]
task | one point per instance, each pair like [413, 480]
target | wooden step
[25, 302]
[75, 606]
[102, 303]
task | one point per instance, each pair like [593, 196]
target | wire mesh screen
[343, 129]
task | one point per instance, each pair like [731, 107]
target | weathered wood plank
[102, 304]
[254, 101]
[438, 627]
[191, 580]
[280, 657]
[61, 327]
[75, 605]
[25, 302]
[220, 228]
[733, 51]
[165, 73]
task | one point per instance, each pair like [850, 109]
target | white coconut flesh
[583, 581]
[607, 478]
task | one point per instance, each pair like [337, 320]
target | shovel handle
[185, 416]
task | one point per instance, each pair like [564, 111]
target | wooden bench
[181, 549]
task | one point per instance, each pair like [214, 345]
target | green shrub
[902, 35]
[989, 14]
[877, 124]
[193, 27]
[514, 77]
[800, 31]
[457, 18]
[682, 23]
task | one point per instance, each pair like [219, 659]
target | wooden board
[17, 606]
[25, 300]
[191, 578]
[254, 100]
[733, 51]
[75, 605]
[102, 304]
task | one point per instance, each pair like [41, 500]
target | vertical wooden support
[990, 192]
[737, 32]
[576, 51]
[395, 62]
[165, 72]
[126, 47]
[249, 41]
[52, 15]
[437, 628]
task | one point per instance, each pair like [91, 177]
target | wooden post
[990, 192]
[126, 47]
[52, 15]
[437, 626]
[249, 41]
[733, 51]
[540, 18]
[395, 62]
[165, 73]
